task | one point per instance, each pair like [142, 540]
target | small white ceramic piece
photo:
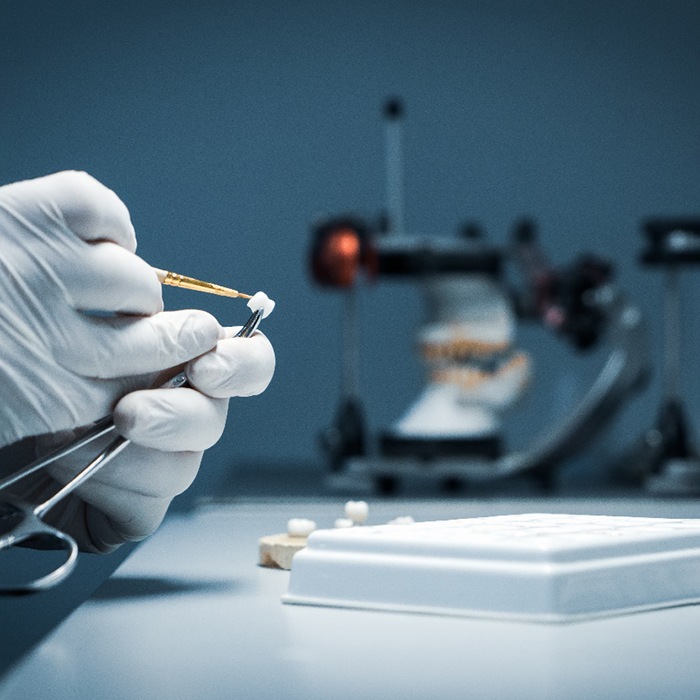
[343, 522]
[357, 511]
[402, 520]
[300, 527]
[260, 300]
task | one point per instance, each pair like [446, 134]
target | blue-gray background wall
[227, 127]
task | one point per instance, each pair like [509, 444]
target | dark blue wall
[228, 126]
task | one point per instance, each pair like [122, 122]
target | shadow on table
[27, 619]
[134, 587]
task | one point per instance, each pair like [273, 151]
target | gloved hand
[84, 335]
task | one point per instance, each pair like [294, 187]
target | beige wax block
[276, 551]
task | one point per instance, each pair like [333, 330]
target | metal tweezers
[21, 522]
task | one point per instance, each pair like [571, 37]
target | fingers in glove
[103, 534]
[133, 493]
[235, 367]
[77, 201]
[109, 278]
[119, 347]
[171, 420]
[90, 210]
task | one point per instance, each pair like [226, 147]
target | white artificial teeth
[343, 522]
[260, 300]
[357, 511]
[300, 527]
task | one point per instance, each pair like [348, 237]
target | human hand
[79, 314]
[83, 327]
[169, 429]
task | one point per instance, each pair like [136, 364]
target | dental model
[260, 300]
[277, 551]
[357, 511]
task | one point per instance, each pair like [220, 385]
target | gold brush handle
[175, 280]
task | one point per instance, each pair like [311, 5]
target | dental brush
[256, 301]
[176, 280]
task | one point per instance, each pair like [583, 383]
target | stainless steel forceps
[21, 522]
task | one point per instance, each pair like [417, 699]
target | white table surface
[191, 615]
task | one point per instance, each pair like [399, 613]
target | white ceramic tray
[540, 567]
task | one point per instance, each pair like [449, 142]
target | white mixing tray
[537, 567]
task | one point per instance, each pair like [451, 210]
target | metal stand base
[677, 477]
[673, 465]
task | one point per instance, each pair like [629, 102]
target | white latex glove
[67, 247]
[169, 430]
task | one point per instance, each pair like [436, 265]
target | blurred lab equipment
[452, 432]
[665, 461]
